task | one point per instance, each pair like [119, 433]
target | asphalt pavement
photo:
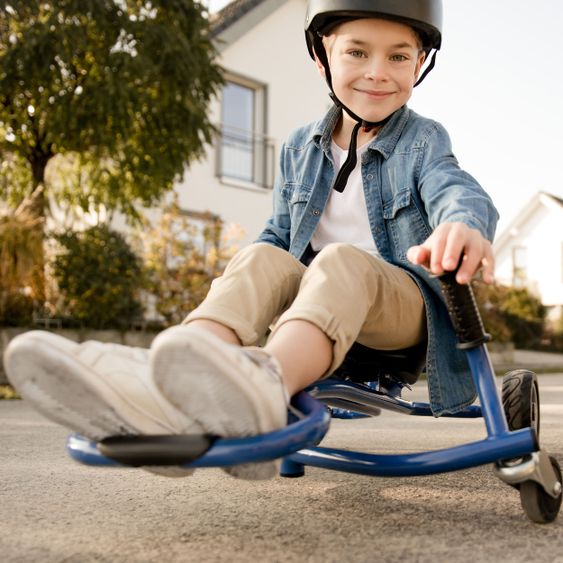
[53, 509]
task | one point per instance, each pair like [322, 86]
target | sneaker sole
[81, 408]
[211, 390]
[39, 368]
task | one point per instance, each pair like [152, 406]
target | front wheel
[521, 400]
[537, 504]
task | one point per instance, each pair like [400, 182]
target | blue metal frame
[303, 432]
[297, 442]
[499, 444]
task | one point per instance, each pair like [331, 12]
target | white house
[272, 87]
[529, 252]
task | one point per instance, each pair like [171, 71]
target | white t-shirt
[345, 217]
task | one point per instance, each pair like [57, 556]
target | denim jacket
[412, 183]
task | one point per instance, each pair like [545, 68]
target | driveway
[53, 509]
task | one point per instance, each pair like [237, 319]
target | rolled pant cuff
[246, 334]
[329, 325]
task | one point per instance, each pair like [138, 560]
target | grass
[7, 392]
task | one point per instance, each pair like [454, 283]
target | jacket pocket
[401, 200]
[299, 193]
[405, 224]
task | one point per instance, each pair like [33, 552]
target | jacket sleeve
[449, 193]
[278, 226]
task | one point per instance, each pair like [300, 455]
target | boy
[346, 257]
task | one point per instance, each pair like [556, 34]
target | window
[245, 156]
[519, 266]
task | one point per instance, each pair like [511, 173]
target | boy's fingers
[453, 251]
[436, 244]
[470, 264]
[488, 265]
[443, 250]
[418, 255]
[474, 259]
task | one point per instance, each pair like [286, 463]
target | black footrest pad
[155, 450]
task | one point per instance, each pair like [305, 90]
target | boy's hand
[442, 250]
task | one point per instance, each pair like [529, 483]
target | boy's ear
[419, 63]
[320, 68]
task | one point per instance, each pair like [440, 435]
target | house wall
[542, 234]
[272, 52]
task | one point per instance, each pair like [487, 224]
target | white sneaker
[94, 388]
[228, 390]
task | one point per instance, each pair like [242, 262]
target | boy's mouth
[378, 94]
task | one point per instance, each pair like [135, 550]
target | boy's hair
[330, 30]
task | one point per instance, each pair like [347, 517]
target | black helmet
[424, 16]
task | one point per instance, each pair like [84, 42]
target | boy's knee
[341, 251]
[264, 259]
[350, 262]
[259, 251]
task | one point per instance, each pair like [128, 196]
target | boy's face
[374, 65]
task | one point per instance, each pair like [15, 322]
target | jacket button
[369, 176]
[316, 212]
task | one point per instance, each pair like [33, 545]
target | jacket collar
[385, 142]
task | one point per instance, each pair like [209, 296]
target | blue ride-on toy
[512, 421]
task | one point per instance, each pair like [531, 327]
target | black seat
[367, 364]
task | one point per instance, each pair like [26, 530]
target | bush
[183, 254]
[16, 309]
[99, 277]
[511, 314]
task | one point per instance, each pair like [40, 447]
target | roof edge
[239, 17]
[537, 200]
[231, 13]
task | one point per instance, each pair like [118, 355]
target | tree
[113, 91]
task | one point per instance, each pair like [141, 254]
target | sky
[498, 89]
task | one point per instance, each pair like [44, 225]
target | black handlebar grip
[464, 314]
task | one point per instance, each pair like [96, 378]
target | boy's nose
[377, 70]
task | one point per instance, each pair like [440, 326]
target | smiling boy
[368, 202]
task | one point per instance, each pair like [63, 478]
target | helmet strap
[346, 169]
[351, 160]
[428, 68]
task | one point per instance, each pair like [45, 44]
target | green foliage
[118, 90]
[183, 254]
[511, 314]
[99, 277]
[15, 177]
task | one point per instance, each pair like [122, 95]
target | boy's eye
[356, 53]
[398, 58]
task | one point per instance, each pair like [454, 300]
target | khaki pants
[347, 293]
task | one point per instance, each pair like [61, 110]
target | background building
[529, 252]
[272, 87]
